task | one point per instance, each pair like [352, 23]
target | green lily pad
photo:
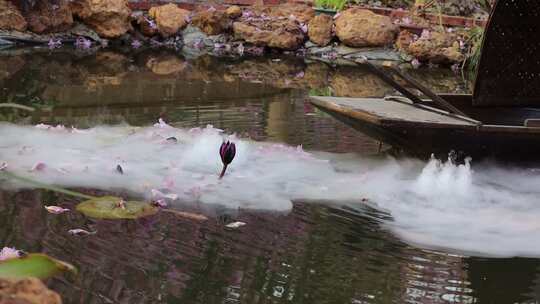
[33, 265]
[107, 207]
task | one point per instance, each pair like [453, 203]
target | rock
[283, 34]
[359, 27]
[233, 12]
[320, 50]
[109, 18]
[212, 22]
[436, 47]
[80, 29]
[27, 291]
[377, 53]
[404, 39]
[169, 19]
[166, 65]
[320, 29]
[10, 17]
[47, 17]
[300, 12]
[380, 54]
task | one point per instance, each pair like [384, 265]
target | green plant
[336, 5]
[474, 49]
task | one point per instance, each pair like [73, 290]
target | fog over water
[484, 211]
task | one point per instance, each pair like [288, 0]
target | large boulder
[300, 12]
[47, 17]
[109, 18]
[282, 34]
[10, 17]
[233, 11]
[359, 28]
[27, 291]
[320, 29]
[212, 21]
[169, 19]
[436, 47]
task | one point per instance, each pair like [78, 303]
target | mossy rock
[107, 207]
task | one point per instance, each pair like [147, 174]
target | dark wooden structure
[501, 118]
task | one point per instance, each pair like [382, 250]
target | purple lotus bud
[227, 151]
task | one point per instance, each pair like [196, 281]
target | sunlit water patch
[486, 211]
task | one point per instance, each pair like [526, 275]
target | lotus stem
[47, 187]
[16, 106]
[223, 171]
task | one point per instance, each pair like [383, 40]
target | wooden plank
[388, 112]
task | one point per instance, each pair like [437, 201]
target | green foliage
[474, 50]
[321, 92]
[337, 5]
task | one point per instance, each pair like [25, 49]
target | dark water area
[316, 253]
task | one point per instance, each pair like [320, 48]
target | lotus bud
[227, 151]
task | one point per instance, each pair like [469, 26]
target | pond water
[336, 220]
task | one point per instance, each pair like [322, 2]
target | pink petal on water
[56, 209]
[80, 232]
[9, 253]
[168, 182]
[195, 191]
[59, 128]
[158, 194]
[77, 131]
[43, 126]
[235, 225]
[39, 166]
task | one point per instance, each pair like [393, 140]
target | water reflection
[315, 254]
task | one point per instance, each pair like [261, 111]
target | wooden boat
[501, 118]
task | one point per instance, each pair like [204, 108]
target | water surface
[316, 252]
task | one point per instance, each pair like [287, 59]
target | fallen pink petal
[39, 166]
[56, 209]
[158, 194]
[9, 253]
[80, 232]
[235, 225]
